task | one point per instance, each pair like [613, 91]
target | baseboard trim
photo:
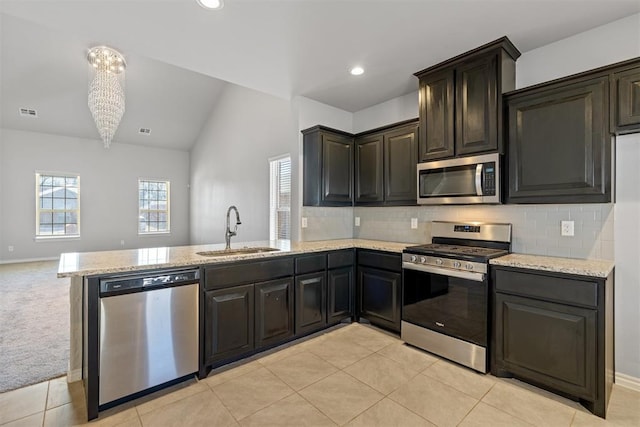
[16, 261]
[75, 375]
[628, 381]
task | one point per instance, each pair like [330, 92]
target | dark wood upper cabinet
[460, 104]
[386, 162]
[436, 115]
[559, 145]
[626, 108]
[368, 168]
[477, 106]
[400, 161]
[327, 167]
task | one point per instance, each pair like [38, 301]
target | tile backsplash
[536, 228]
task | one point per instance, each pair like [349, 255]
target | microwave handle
[479, 179]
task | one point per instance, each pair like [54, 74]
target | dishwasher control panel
[139, 282]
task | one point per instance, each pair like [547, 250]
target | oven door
[447, 301]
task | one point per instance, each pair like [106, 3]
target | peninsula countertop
[119, 261]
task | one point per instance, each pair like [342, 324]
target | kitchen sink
[241, 251]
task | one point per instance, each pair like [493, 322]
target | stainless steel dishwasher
[148, 331]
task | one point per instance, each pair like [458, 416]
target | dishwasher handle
[112, 286]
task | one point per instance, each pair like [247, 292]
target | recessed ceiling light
[211, 4]
[357, 71]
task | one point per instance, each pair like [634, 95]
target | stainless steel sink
[240, 251]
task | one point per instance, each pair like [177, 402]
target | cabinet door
[228, 322]
[627, 107]
[552, 344]
[369, 170]
[400, 161]
[436, 116]
[476, 106]
[559, 147]
[337, 169]
[311, 302]
[340, 294]
[274, 311]
[379, 297]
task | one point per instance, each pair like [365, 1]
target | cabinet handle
[440, 324]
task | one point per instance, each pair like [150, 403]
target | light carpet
[34, 324]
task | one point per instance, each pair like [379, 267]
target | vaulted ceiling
[180, 56]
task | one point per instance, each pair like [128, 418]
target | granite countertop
[583, 267]
[105, 262]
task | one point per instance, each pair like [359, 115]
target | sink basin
[240, 251]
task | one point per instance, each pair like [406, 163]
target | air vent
[28, 112]
[144, 131]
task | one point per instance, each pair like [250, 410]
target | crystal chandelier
[106, 91]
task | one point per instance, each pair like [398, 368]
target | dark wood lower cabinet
[311, 302]
[273, 311]
[556, 331]
[229, 326]
[340, 294]
[379, 297]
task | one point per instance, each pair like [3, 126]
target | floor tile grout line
[318, 409]
[517, 416]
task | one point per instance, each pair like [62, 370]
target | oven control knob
[456, 264]
[438, 261]
[414, 258]
[423, 260]
[468, 266]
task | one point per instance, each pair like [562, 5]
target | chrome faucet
[228, 234]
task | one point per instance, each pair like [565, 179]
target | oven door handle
[469, 275]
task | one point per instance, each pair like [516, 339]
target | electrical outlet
[566, 228]
[414, 223]
[357, 221]
[304, 222]
[10, 248]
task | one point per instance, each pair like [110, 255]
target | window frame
[167, 211]
[273, 199]
[39, 209]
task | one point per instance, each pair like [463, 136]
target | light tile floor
[353, 375]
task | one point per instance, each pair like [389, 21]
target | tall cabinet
[460, 102]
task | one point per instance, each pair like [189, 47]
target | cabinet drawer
[559, 289]
[381, 260]
[225, 275]
[311, 263]
[340, 259]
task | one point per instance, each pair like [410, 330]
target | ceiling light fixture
[357, 71]
[211, 4]
[106, 90]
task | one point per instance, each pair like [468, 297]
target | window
[153, 207]
[57, 205]
[280, 199]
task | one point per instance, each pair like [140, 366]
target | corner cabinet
[460, 101]
[327, 167]
[340, 285]
[555, 330]
[559, 147]
[385, 166]
[626, 106]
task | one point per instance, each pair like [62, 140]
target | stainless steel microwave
[464, 180]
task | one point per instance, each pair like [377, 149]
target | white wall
[229, 164]
[627, 256]
[607, 44]
[108, 191]
[395, 110]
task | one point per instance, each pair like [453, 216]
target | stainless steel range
[445, 290]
